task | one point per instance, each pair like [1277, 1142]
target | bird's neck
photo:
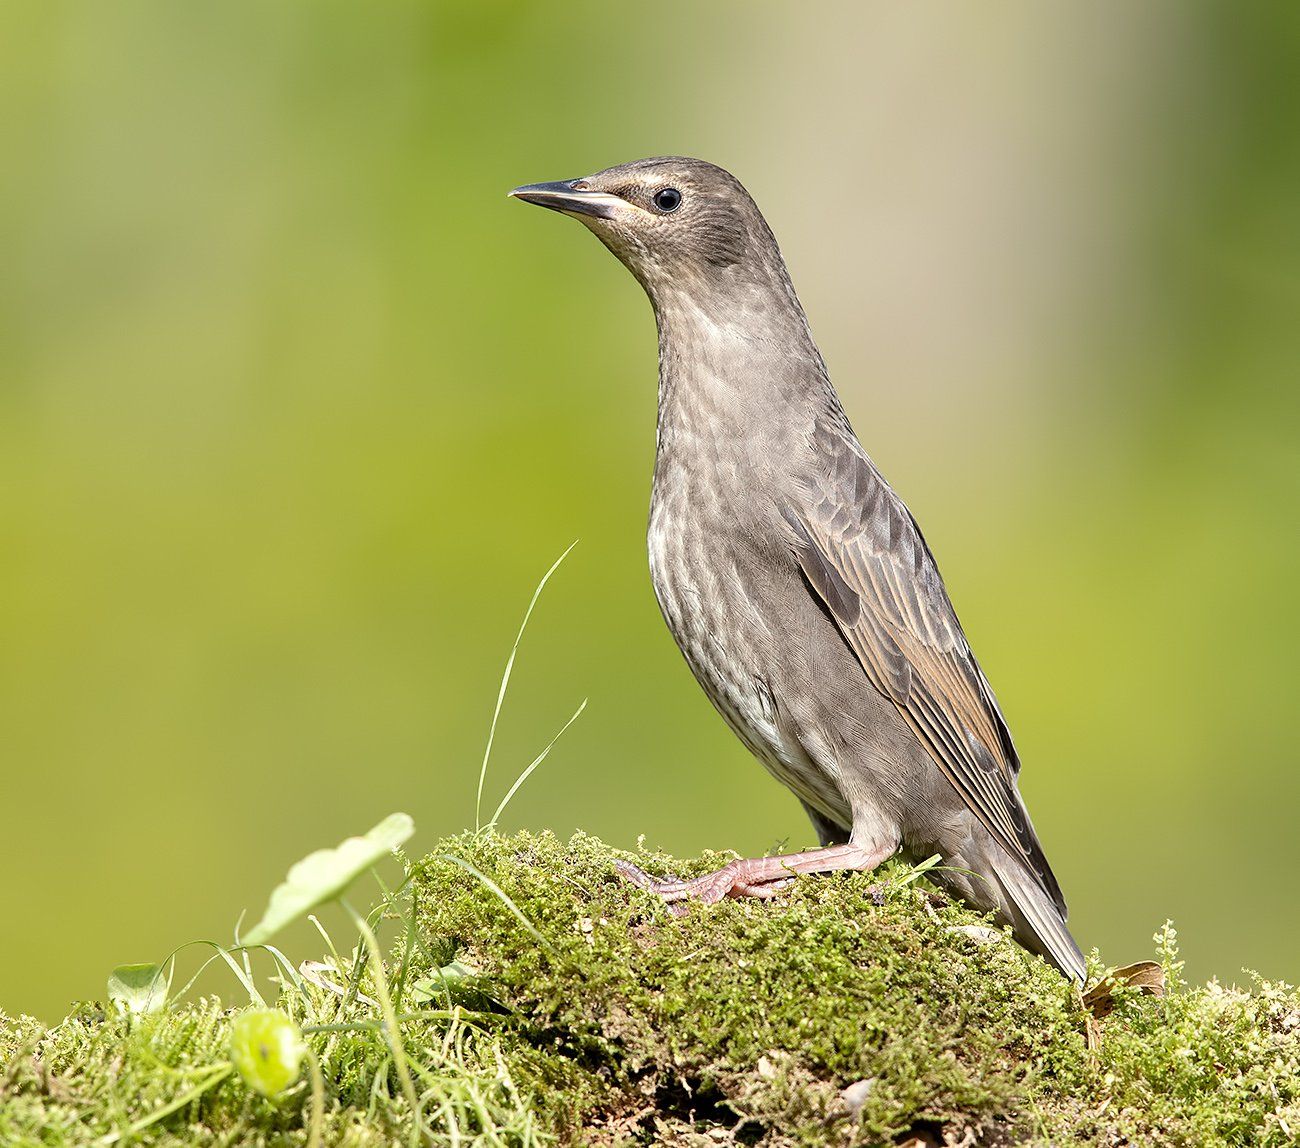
[731, 363]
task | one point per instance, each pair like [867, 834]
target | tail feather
[1039, 925]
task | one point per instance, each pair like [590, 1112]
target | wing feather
[864, 557]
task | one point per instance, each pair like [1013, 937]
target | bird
[795, 581]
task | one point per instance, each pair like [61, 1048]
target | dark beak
[569, 196]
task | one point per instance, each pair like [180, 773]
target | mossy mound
[855, 1009]
[546, 1001]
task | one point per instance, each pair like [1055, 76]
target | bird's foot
[729, 881]
[761, 877]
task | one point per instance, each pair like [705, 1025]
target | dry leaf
[1146, 976]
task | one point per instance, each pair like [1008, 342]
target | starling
[795, 581]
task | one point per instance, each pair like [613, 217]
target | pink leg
[757, 877]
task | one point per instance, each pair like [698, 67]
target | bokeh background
[296, 407]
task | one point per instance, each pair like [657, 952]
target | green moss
[761, 1011]
[748, 1020]
[852, 1010]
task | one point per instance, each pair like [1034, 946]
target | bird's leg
[757, 876]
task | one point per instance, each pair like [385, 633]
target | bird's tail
[1039, 925]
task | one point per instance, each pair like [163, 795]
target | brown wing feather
[864, 556]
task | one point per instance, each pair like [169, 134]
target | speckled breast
[726, 640]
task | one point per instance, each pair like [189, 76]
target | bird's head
[674, 222]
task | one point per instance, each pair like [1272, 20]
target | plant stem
[317, 1100]
[469, 1016]
[390, 1017]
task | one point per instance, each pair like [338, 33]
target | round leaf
[322, 876]
[139, 989]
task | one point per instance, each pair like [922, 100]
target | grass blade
[527, 773]
[500, 894]
[505, 682]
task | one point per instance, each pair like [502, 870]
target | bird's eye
[667, 199]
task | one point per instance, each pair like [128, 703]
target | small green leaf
[322, 876]
[267, 1048]
[139, 989]
[452, 976]
[457, 971]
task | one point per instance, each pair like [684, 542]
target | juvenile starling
[794, 579]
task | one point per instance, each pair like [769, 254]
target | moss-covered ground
[544, 1001]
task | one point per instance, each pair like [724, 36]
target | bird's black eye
[667, 199]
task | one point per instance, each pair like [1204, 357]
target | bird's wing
[863, 555]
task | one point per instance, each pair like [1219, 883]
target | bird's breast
[718, 593]
[713, 577]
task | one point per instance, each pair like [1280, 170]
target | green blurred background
[296, 407]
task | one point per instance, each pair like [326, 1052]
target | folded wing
[864, 557]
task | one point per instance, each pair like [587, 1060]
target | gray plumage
[793, 578]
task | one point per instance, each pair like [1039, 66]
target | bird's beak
[570, 197]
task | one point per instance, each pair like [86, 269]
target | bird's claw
[729, 881]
